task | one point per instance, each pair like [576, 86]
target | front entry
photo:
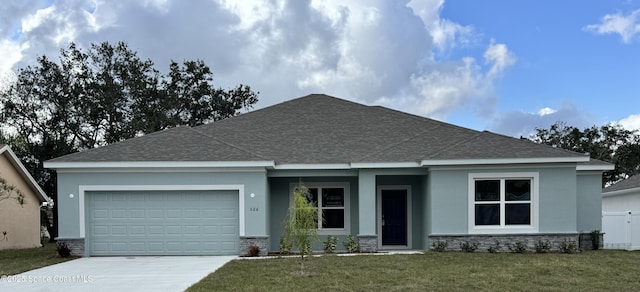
[393, 217]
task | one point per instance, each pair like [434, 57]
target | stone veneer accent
[76, 245]
[261, 242]
[587, 244]
[368, 243]
[484, 241]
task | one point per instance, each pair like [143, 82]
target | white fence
[621, 230]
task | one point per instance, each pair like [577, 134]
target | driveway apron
[153, 273]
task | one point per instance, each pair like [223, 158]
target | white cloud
[627, 26]
[520, 123]
[446, 34]
[632, 122]
[499, 56]
[376, 52]
[11, 53]
[546, 111]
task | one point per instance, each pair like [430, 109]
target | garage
[193, 222]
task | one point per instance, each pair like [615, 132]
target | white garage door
[162, 223]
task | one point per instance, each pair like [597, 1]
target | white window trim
[535, 194]
[347, 212]
[88, 188]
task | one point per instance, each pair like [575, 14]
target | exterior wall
[621, 203]
[589, 201]
[279, 189]
[254, 182]
[280, 195]
[558, 197]
[448, 202]
[448, 199]
[21, 223]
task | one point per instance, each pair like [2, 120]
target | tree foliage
[611, 143]
[105, 94]
[301, 222]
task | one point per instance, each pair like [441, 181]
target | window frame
[503, 228]
[329, 185]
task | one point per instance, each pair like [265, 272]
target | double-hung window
[332, 201]
[503, 202]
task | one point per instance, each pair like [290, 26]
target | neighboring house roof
[13, 159]
[628, 185]
[322, 130]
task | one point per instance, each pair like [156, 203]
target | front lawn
[592, 270]
[16, 261]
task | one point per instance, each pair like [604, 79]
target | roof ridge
[227, 143]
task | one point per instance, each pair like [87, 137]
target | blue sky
[561, 63]
[504, 66]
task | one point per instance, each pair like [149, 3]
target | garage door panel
[118, 230]
[137, 214]
[155, 214]
[209, 213]
[100, 230]
[163, 223]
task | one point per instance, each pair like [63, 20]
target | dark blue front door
[394, 216]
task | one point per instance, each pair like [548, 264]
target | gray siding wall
[589, 201]
[558, 196]
[447, 199]
[448, 202]
[279, 204]
[254, 182]
[280, 187]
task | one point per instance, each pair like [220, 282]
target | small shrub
[351, 244]
[253, 251]
[494, 248]
[63, 249]
[330, 244]
[285, 245]
[468, 246]
[518, 247]
[543, 246]
[568, 246]
[439, 246]
[595, 239]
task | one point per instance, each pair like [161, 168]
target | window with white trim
[332, 201]
[503, 202]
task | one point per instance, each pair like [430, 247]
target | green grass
[16, 261]
[593, 270]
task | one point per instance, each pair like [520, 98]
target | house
[20, 202]
[392, 179]
[622, 196]
[621, 214]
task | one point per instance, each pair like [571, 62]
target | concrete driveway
[161, 273]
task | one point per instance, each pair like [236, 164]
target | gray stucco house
[393, 180]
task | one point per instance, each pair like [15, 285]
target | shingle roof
[629, 183]
[319, 129]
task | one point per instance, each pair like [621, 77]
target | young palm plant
[300, 225]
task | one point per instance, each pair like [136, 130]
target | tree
[103, 95]
[301, 222]
[610, 143]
